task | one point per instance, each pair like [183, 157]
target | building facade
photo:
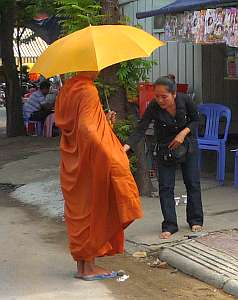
[201, 66]
[184, 60]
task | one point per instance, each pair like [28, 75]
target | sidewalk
[38, 174]
[35, 170]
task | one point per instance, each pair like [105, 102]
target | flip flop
[97, 277]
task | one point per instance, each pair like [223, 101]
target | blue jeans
[191, 178]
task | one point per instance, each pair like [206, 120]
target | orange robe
[101, 197]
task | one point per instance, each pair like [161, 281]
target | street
[35, 263]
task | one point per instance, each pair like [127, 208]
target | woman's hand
[179, 139]
[126, 147]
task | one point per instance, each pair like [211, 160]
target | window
[231, 64]
[159, 22]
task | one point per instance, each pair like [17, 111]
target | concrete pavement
[34, 265]
[38, 173]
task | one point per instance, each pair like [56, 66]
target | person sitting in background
[32, 107]
[33, 104]
[49, 103]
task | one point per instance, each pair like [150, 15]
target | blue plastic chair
[211, 140]
[38, 126]
[236, 168]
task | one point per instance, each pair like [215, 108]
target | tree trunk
[118, 100]
[111, 11]
[18, 41]
[15, 125]
[142, 174]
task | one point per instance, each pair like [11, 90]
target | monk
[101, 197]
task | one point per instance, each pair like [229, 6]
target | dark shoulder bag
[172, 156]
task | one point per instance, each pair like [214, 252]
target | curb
[231, 287]
[200, 272]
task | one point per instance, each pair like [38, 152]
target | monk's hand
[111, 117]
[126, 148]
[177, 141]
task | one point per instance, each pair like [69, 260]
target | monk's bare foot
[165, 235]
[91, 269]
[197, 228]
[80, 268]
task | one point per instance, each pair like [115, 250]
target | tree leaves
[133, 71]
[78, 14]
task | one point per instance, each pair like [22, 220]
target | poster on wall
[210, 25]
[195, 25]
[167, 29]
[170, 28]
[227, 25]
[179, 30]
[232, 31]
[219, 26]
[206, 26]
[187, 26]
[201, 30]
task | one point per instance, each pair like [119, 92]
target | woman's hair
[168, 82]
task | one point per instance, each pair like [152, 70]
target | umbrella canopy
[95, 48]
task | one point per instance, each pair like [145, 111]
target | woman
[176, 120]
[101, 198]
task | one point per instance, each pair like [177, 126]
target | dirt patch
[155, 284]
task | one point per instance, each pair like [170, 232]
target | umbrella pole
[108, 107]
[107, 103]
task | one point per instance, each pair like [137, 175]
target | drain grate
[212, 259]
[205, 263]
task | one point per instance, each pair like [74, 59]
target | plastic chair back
[213, 114]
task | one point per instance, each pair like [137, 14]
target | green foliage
[28, 9]
[133, 164]
[4, 3]
[131, 72]
[78, 14]
[105, 92]
[123, 129]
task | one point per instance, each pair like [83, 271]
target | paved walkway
[37, 171]
[34, 261]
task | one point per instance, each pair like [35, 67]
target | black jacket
[166, 126]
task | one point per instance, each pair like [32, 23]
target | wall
[182, 60]
[216, 89]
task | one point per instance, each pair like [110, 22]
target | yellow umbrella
[95, 48]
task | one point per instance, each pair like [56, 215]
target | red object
[34, 76]
[182, 88]
[31, 129]
[41, 16]
[146, 94]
